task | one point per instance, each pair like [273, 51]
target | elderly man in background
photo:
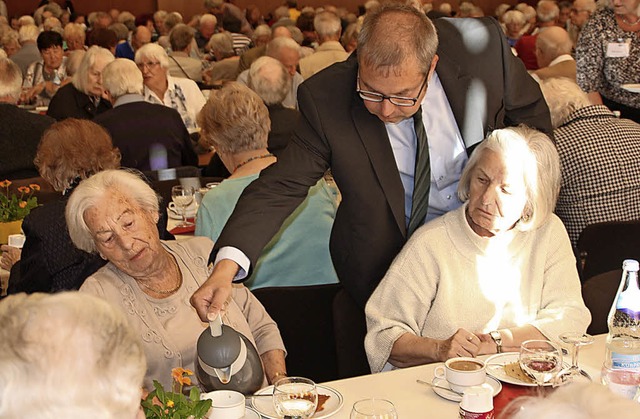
[181, 64]
[599, 156]
[225, 66]
[206, 29]
[28, 53]
[328, 28]
[287, 51]
[247, 58]
[49, 341]
[547, 13]
[16, 159]
[553, 52]
[270, 80]
[580, 14]
[219, 8]
[140, 36]
[161, 88]
[150, 136]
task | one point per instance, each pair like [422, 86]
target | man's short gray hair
[122, 77]
[47, 341]
[327, 24]
[260, 31]
[10, 79]
[181, 36]
[95, 53]
[90, 191]
[547, 11]
[222, 43]
[73, 30]
[270, 79]
[395, 33]
[28, 33]
[276, 44]
[538, 157]
[152, 52]
[234, 120]
[208, 18]
[121, 31]
[563, 96]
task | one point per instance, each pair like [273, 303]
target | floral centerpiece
[14, 207]
[162, 404]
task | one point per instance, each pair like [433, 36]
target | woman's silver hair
[261, 30]
[10, 79]
[514, 16]
[121, 31]
[563, 96]
[28, 32]
[575, 401]
[95, 53]
[73, 61]
[395, 33]
[270, 79]
[222, 43]
[89, 193]
[50, 341]
[74, 30]
[234, 120]
[537, 155]
[122, 77]
[181, 36]
[152, 52]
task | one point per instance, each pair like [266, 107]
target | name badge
[618, 49]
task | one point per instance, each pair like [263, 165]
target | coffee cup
[226, 404]
[462, 372]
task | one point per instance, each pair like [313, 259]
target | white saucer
[632, 87]
[495, 385]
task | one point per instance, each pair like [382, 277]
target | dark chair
[603, 246]
[172, 173]
[598, 293]
[350, 329]
[305, 318]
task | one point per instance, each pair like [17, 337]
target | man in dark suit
[149, 136]
[20, 130]
[358, 120]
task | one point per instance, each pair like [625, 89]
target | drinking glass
[295, 398]
[573, 373]
[183, 197]
[541, 360]
[373, 409]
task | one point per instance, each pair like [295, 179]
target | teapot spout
[223, 374]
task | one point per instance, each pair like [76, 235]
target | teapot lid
[219, 351]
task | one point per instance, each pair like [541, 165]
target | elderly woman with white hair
[68, 355]
[514, 22]
[485, 277]
[114, 214]
[84, 97]
[181, 94]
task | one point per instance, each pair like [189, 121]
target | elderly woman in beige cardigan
[483, 278]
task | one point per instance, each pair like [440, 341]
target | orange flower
[34, 186]
[178, 375]
[5, 183]
[170, 403]
[24, 189]
[22, 204]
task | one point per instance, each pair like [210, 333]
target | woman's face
[94, 78]
[75, 43]
[124, 234]
[52, 57]
[625, 7]
[497, 195]
[152, 72]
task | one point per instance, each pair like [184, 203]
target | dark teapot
[227, 360]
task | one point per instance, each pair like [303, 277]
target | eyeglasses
[576, 11]
[148, 65]
[395, 100]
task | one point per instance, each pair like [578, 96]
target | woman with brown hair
[69, 152]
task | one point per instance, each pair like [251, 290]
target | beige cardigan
[169, 328]
[447, 277]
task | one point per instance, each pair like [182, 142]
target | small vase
[11, 227]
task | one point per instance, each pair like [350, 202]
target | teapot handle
[215, 326]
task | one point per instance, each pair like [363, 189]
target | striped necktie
[421, 177]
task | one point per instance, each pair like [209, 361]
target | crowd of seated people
[262, 95]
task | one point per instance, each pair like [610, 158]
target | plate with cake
[329, 402]
[506, 368]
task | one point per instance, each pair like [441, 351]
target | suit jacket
[20, 133]
[69, 102]
[136, 128]
[562, 69]
[487, 88]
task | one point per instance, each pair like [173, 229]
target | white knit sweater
[447, 277]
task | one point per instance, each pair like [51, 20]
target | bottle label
[631, 314]
[464, 414]
[624, 361]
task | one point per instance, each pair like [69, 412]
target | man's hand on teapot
[212, 297]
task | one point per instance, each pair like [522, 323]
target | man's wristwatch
[497, 338]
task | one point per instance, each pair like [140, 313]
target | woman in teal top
[236, 123]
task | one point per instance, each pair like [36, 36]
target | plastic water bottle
[621, 370]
